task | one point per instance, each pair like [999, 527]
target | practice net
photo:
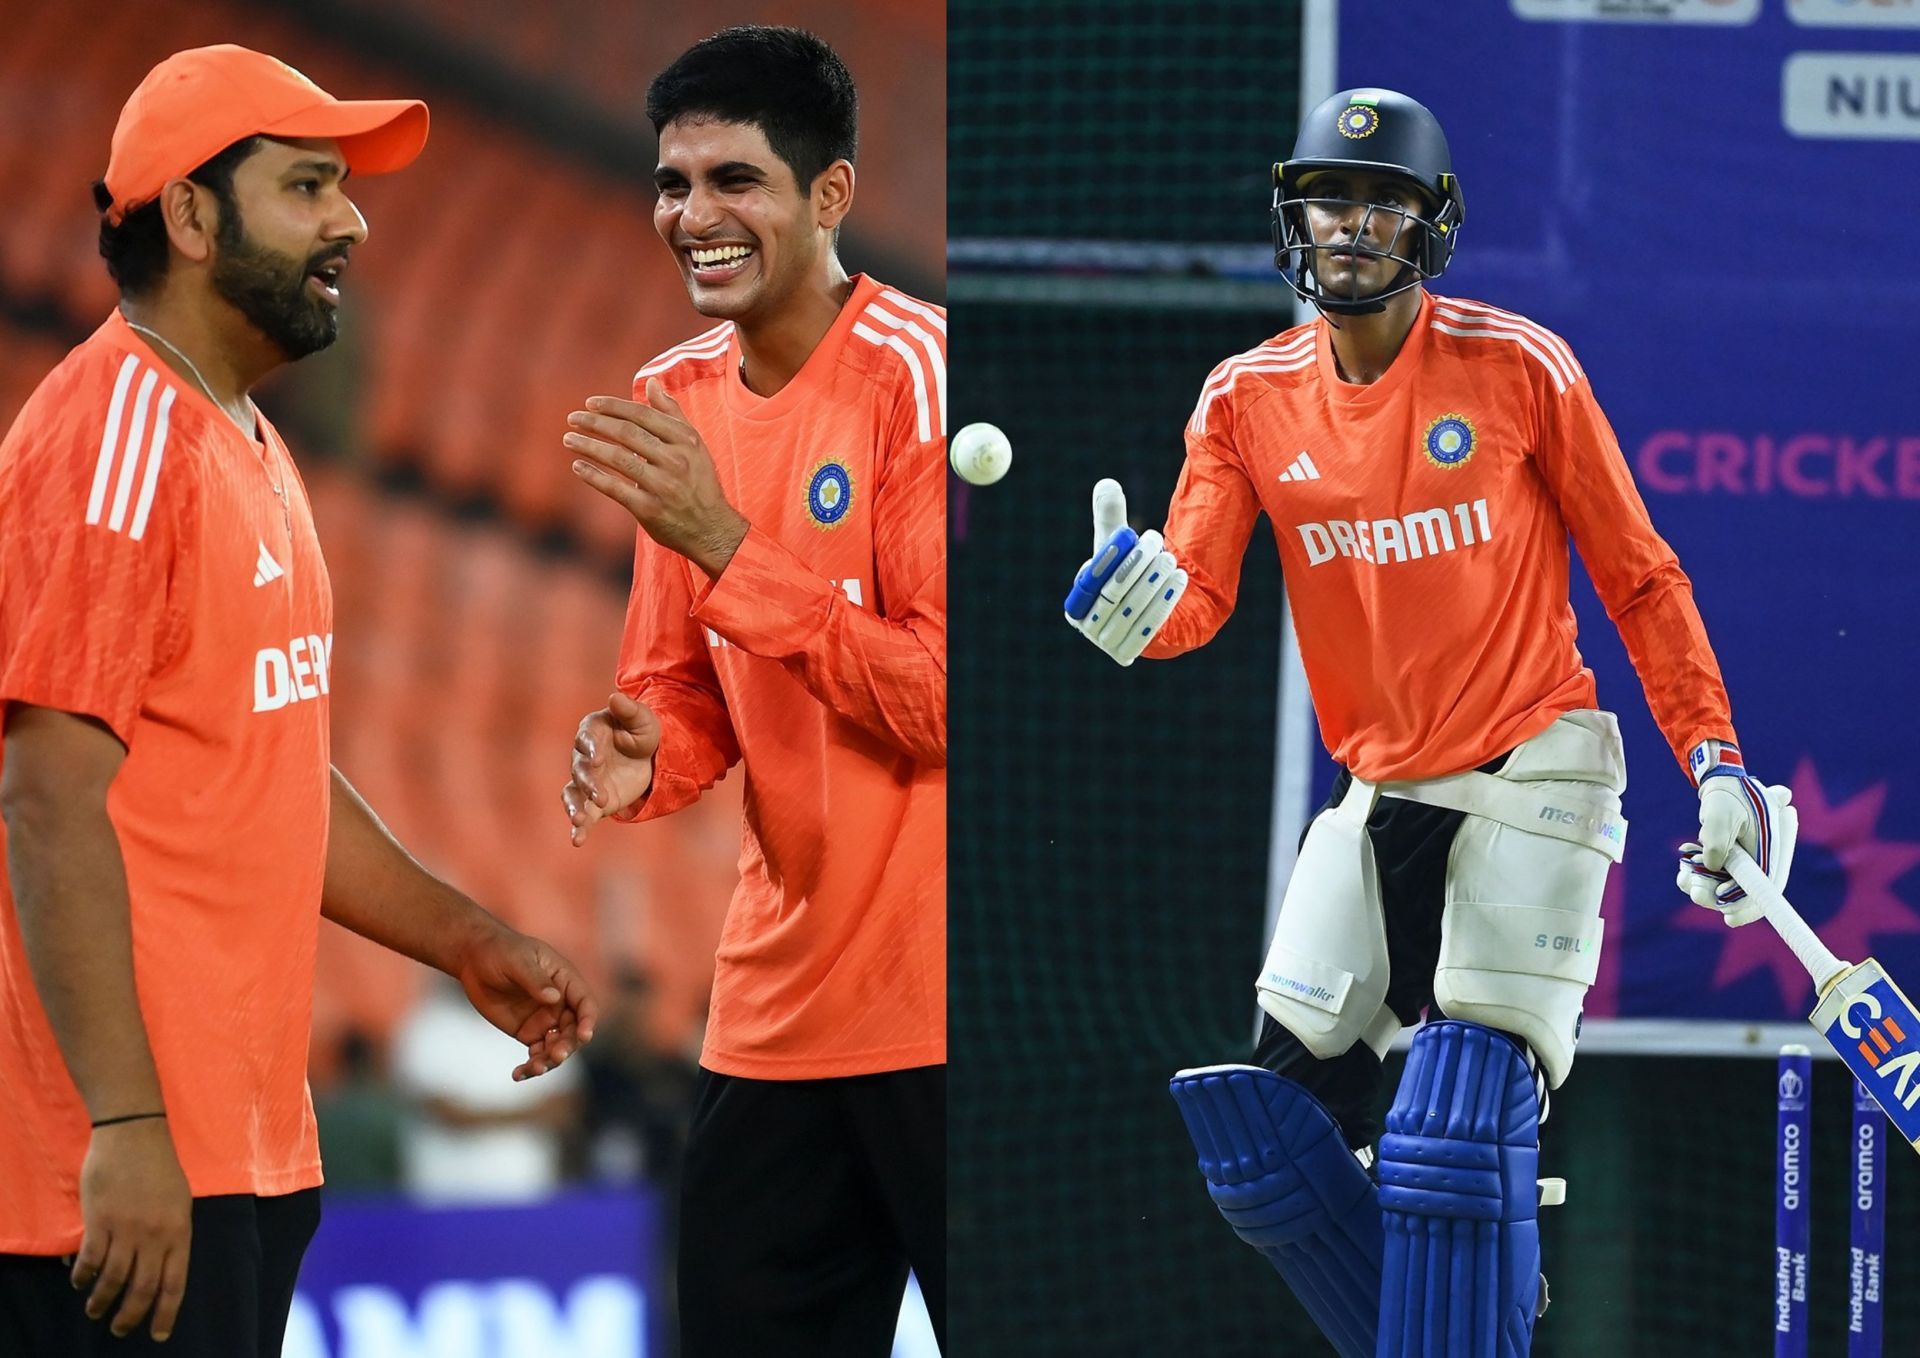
[1109, 168]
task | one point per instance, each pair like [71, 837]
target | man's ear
[833, 193]
[191, 213]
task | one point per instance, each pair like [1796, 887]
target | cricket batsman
[1424, 461]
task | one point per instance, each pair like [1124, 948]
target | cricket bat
[1863, 1015]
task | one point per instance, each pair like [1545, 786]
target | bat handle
[1815, 956]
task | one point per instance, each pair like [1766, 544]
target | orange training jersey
[151, 577]
[1422, 522]
[818, 659]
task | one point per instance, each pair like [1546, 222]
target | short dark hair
[785, 81]
[136, 250]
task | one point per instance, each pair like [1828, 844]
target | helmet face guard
[1375, 132]
[1421, 245]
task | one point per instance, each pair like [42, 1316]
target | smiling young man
[1424, 461]
[789, 613]
[174, 827]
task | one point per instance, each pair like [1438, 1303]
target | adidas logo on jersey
[266, 568]
[1302, 469]
[1380, 542]
[295, 675]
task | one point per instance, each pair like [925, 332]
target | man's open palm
[612, 762]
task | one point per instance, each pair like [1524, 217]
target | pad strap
[1589, 819]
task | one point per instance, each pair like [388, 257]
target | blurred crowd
[434, 1113]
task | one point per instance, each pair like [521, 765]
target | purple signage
[578, 1275]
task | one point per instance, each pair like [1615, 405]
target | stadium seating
[502, 283]
[605, 54]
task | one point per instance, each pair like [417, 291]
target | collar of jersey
[1397, 375]
[187, 391]
[813, 374]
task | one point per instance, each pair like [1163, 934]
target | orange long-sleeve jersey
[1422, 522]
[818, 660]
[159, 572]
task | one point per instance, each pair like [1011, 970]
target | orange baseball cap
[196, 103]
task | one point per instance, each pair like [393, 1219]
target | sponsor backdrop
[584, 1274]
[1713, 201]
[578, 1274]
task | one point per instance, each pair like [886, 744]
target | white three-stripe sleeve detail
[936, 358]
[906, 303]
[1198, 424]
[713, 342]
[130, 451]
[1492, 314]
[1560, 382]
[1554, 355]
[110, 439]
[905, 350]
[1224, 376]
[660, 365]
[1561, 363]
[1297, 347]
[156, 450]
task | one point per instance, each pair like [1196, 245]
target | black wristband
[130, 1117]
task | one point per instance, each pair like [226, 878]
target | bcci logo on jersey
[829, 494]
[1450, 440]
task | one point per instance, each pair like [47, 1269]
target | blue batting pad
[1458, 1187]
[1096, 573]
[1281, 1174]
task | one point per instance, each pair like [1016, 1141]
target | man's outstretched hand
[530, 992]
[612, 763]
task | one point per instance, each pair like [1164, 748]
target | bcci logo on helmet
[1450, 440]
[1793, 1090]
[1359, 121]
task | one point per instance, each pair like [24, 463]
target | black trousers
[1411, 842]
[803, 1204]
[245, 1256]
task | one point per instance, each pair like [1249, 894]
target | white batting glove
[1736, 808]
[1126, 589]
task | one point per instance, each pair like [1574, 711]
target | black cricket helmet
[1375, 132]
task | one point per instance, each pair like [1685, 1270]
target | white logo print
[1381, 542]
[297, 674]
[266, 568]
[1302, 469]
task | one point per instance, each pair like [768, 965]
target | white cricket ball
[980, 454]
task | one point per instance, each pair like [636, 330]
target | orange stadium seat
[462, 664]
[25, 357]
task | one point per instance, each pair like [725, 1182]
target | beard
[270, 289]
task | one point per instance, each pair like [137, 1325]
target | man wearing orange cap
[173, 825]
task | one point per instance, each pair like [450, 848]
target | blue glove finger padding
[1281, 1174]
[1096, 573]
